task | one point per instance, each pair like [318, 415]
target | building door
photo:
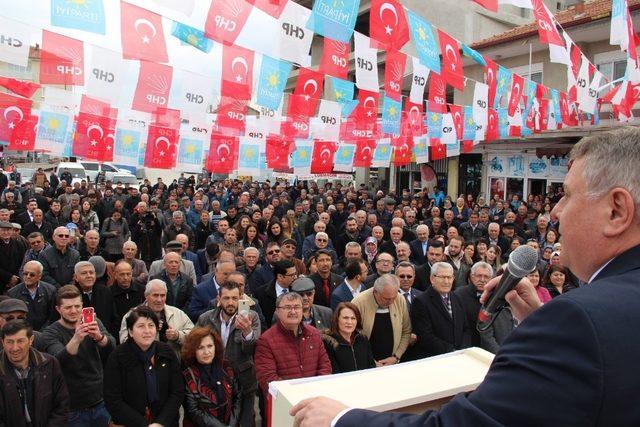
[537, 187]
[514, 186]
[470, 174]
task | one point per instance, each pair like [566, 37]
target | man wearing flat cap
[12, 255]
[312, 314]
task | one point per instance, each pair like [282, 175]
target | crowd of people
[174, 304]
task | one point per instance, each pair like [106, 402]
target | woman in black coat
[347, 348]
[142, 381]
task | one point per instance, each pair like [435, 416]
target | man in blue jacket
[572, 362]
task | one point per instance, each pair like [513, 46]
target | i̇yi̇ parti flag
[80, 15]
[425, 42]
[191, 36]
[273, 79]
[391, 115]
[335, 19]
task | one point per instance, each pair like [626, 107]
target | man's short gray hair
[154, 282]
[435, 268]
[384, 281]
[289, 296]
[37, 264]
[352, 245]
[422, 227]
[405, 264]
[221, 262]
[402, 243]
[81, 264]
[620, 150]
[250, 249]
[177, 214]
[481, 264]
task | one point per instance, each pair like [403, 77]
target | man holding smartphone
[239, 330]
[80, 348]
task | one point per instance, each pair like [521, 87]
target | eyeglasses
[10, 318]
[405, 276]
[444, 277]
[305, 293]
[62, 235]
[37, 242]
[291, 275]
[29, 274]
[290, 307]
[275, 251]
[384, 261]
[321, 240]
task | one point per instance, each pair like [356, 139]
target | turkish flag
[232, 115]
[632, 49]
[308, 92]
[564, 110]
[20, 87]
[162, 147]
[271, 7]
[23, 137]
[277, 152]
[364, 153]
[335, 58]
[154, 85]
[517, 86]
[61, 60]
[414, 118]
[467, 146]
[366, 113]
[223, 154]
[237, 72]
[13, 111]
[322, 156]
[542, 122]
[547, 30]
[491, 5]
[490, 79]
[437, 93]
[403, 150]
[166, 117]
[226, 19]
[457, 112]
[437, 150]
[388, 24]
[90, 138]
[142, 34]
[451, 60]
[493, 130]
[394, 73]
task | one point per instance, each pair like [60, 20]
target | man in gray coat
[312, 314]
[239, 330]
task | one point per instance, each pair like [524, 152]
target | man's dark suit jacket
[583, 373]
[417, 256]
[437, 332]
[471, 306]
[334, 282]
[422, 280]
[389, 248]
[266, 296]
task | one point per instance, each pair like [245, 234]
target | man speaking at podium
[573, 362]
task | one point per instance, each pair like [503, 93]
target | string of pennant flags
[164, 125]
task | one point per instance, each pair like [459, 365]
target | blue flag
[434, 124]
[273, 79]
[190, 153]
[348, 107]
[555, 107]
[391, 114]
[191, 36]
[343, 160]
[249, 156]
[503, 82]
[618, 10]
[473, 54]
[52, 132]
[302, 155]
[469, 133]
[334, 18]
[87, 15]
[425, 42]
[343, 93]
[382, 154]
[421, 148]
[127, 146]
[503, 122]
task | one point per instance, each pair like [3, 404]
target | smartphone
[243, 306]
[88, 315]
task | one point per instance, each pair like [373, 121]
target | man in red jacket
[289, 349]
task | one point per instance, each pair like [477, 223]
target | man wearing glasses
[312, 314]
[264, 275]
[278, 349]
[383, 265]
[59, 260]
[12, 253]
[285, 273]
[39, 296]
[437, 316]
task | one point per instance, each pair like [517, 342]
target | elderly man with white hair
[437, 316]
[175, 325]
[420, 245]
[177, 226]
[39, 296]
[179, 285]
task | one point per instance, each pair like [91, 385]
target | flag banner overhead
[335, 19]
[18, 38]
[81, 15]
[142, 34]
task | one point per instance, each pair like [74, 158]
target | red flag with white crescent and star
[92, 137]
[162, 147]
[394, 73]
[322, 156]
[388, 24]
[437, 150]
[13, 110]
[517, 83]
[364, 153]
[457, 112]
[223, 153]
[20, 87]
[142, 34]
[403, 150]
[414, 118]
[451, 60]
[61, 60]
[225, 20]
[277, 152]
[237, 72]
[491, 79]
[23, 137]
[308, 92]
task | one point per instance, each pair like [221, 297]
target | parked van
[76, 170]
[94, 168]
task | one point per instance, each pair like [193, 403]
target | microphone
[522, 261]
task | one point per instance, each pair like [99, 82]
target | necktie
[406, 296]
[447, 304]
[284, 291]
[325, 289]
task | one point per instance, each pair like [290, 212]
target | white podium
[406, 387]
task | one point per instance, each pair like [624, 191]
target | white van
[94, 168]
[76, 170]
